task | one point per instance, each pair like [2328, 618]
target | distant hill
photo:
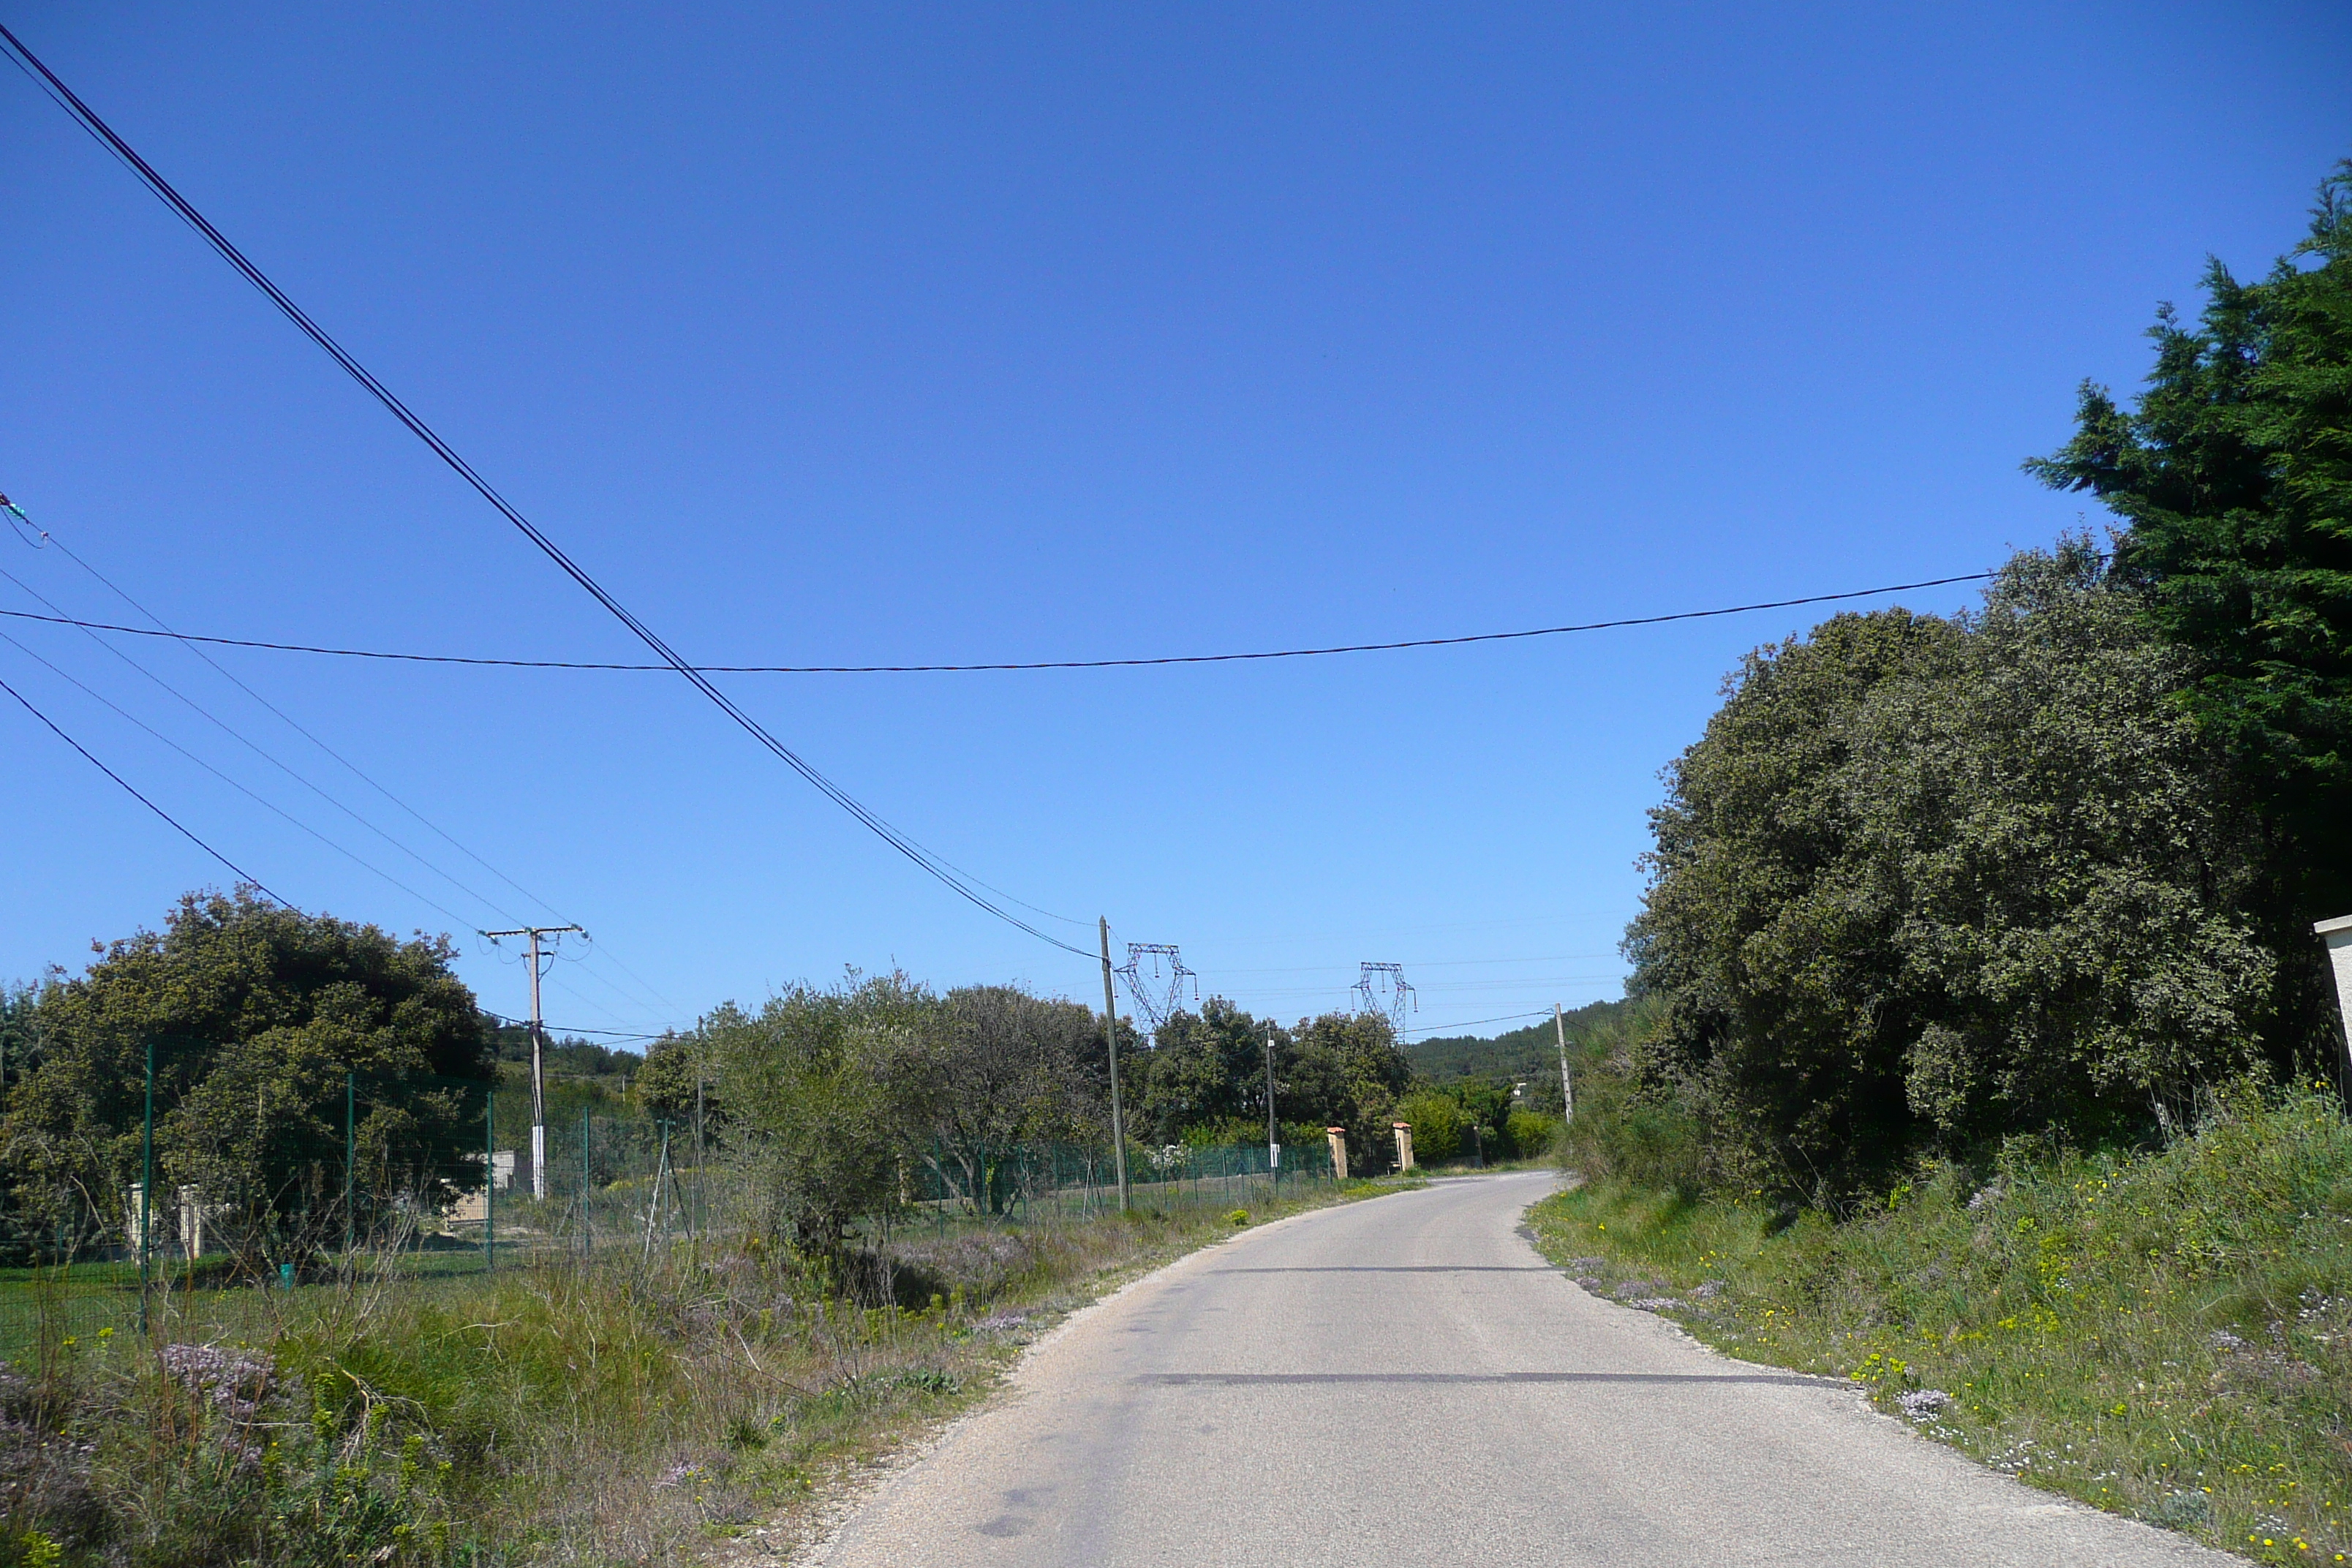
[1529, 1053]
[568, 1055]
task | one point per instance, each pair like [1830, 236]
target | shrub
[1530, 1135]
[1439, 1131]
[1927, 882]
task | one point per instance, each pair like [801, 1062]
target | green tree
[1923, 883]
[1007, 1068]
[673, 1080]
[825, 1091]
[25, 1234]
[1345, 1070]
[256, 1014]
[1440, 1130]
[1204, 1078]
[2233, 472]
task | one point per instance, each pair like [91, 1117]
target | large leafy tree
[1205, 1074]
[2233, 470]
[1204, 1080]
[1345, 1069]
[826, 1091]
[260, 1017]
[1923, 883]
[1008, 1067]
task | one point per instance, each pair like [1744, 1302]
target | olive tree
[825, 1088]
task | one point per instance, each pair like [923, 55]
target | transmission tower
[1381, 988]
[1158, 993]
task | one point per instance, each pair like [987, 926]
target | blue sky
[917, 334]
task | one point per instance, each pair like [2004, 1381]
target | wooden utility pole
[538, 1067]
[1566, 1092]
[1273, 1135]
[1110, 1038]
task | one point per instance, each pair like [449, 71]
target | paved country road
[1402, 1380]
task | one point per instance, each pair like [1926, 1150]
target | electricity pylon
[1381, 988]
[1157, 996]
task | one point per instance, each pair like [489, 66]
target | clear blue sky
[878, 335]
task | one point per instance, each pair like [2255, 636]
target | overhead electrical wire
[258, 750]
[265, 803]
[1474, 1023]
[44, 539]
[177, 825]
[254, 795]
[89, 121]
[962, 883]
[1042, 664]
[567, 1030]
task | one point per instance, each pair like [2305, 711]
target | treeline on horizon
[2047, 869]
[260, 1020]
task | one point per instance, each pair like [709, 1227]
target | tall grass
[599, 1411]
[2164, 1333]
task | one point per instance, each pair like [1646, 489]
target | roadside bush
[1645, 1139]
[1439, 1131]
[1926, 883]
[1531, 1134]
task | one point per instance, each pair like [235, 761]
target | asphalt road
[1403, 1381]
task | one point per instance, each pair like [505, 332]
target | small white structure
[187, 1221]
[2338, 935]
[473, 1207]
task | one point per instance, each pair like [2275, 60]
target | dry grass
[598, 1411]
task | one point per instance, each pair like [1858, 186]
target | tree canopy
[257, 1015]
[1927, 882]
[2234, 472]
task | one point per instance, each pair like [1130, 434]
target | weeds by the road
[2165, 1335]
[604, 1412]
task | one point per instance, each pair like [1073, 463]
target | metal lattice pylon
[1381, 988]
[1158, 995]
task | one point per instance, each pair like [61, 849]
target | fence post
[146, 1187]
[489, 1178]
[587, 1183]
[351, 1157]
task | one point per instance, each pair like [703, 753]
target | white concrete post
[192, 1221]
[1404, 1144]
[1338, 1138]
[2338, 935]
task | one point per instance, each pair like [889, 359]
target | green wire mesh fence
[386, 1183]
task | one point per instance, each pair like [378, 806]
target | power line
[258, 799]
[1043, 664]
[88, 119]
[253, 795]
[1505, 1018]
[242, 874]
[563, 1030]
[45, 540]
[250, 744]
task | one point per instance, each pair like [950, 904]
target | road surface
[1403, 1381]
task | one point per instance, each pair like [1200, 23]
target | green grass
[596, 1412]
[2164, 1334]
